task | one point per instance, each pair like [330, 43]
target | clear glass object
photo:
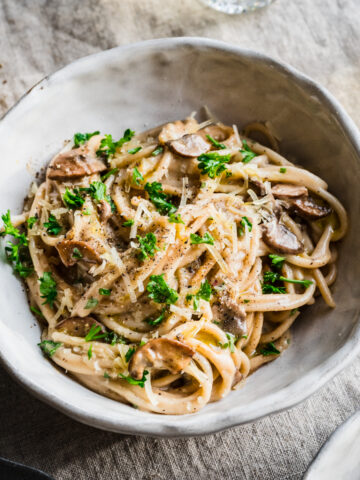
[233, 7]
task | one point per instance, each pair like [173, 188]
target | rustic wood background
[319, 37]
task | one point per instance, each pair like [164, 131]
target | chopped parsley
[108, 174]
[129, 353]
[216, 144]
[49, 347]
[94, 333]
[128, 223]
[195, 239]
[36, 311]
[204, 292]
[108, 147]
[81, 138]
[293, 311]
[247, 153]
[106, 375]
[244, 223]
[246, 300]
[73, 200]
[159, 198]
[213, 164]
[132, 151]
[31, 221]
[276, 260]
[175, 218]
[17, 253]
[230, 343]
[76, 253]
[147, 246]
[90, 351]
[105, 291]
[48, 288]
[52, 226]
[272, 277]
[282, 170]
[91, 303]
[132, 380]
[267, 288]
[269, 349]
[157, 151]
[159, 290]
[157, 320]
[137, 177]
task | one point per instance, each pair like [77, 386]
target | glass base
[233, 7]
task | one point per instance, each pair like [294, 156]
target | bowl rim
[283, 399]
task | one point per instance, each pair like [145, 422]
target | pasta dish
[167, 266]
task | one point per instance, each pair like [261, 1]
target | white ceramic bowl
[146, 84]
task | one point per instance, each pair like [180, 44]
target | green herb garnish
[195, 239]
[159, 290]
[90, 351]
[48, 288]
[108, 146]
[105, 291]
[108, 174]
[132, 380]
[213, 164]
[159, 198]
[31, 221]
[129, 353]
[81, 138]
[157, 151]
[204, 292]
[244, 223]
[215, 142]
[269, 349]
[247, 153]
[132, 151]
[94, 333]
[276, 260]
[137, 177]
[157, 320]
[36, 311]
[147, 247]
[52, 226]
[91, 303]
[175, 218]
[282, 170]
[128, 223]
[272, 277]
[230, 343]
[49, 347]
[76, 253]
[73, 200]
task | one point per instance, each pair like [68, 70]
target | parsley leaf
[132, 380]
[105, 291]
[31, 221]
[72, 199]
[94, 333]
[9, 229]
[108, 174]
[76, 253]
[49, 347]
[272, 277]
[132, 151]
[159, 290]
[157, 151]
[247, 153]
[195, 239]
[215, 142]
[91, 303]
[96, 190]
[129, 353]
[36, 311]
[81, 138]
[113, 338]
[244, 223]
[175, 218]
[276, 260]
[106, 375]
[230, 343]
[90, 351]
[108, 147]
[52, 226]
[204, 292]
[48, 288]
[128, 223]
[267, 288]
[159, 198]
[213, 164]
[137, 177]
[147, 247]
[269, 349]
[282, 170]
[156, 321]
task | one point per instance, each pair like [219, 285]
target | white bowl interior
[141, 86]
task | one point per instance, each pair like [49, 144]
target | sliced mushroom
[73, 164]
[78, 327]
[258, 186]
[175, 130]
[219, 132]
[160, 353]
[71, 251]
[308, 208]
[280, 239]
[231, 316]
[191, 145]
[287, 190]
[104, 209]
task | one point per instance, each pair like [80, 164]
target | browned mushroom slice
[280, 239]
[190, 145]
[231, 316]
[71, 251]
[174, 130]
[219, 132]
[160, 353]
[308, 208]
[287, 190]
[73, 164]
[258, 186]
[104, 209]
[78, 327]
